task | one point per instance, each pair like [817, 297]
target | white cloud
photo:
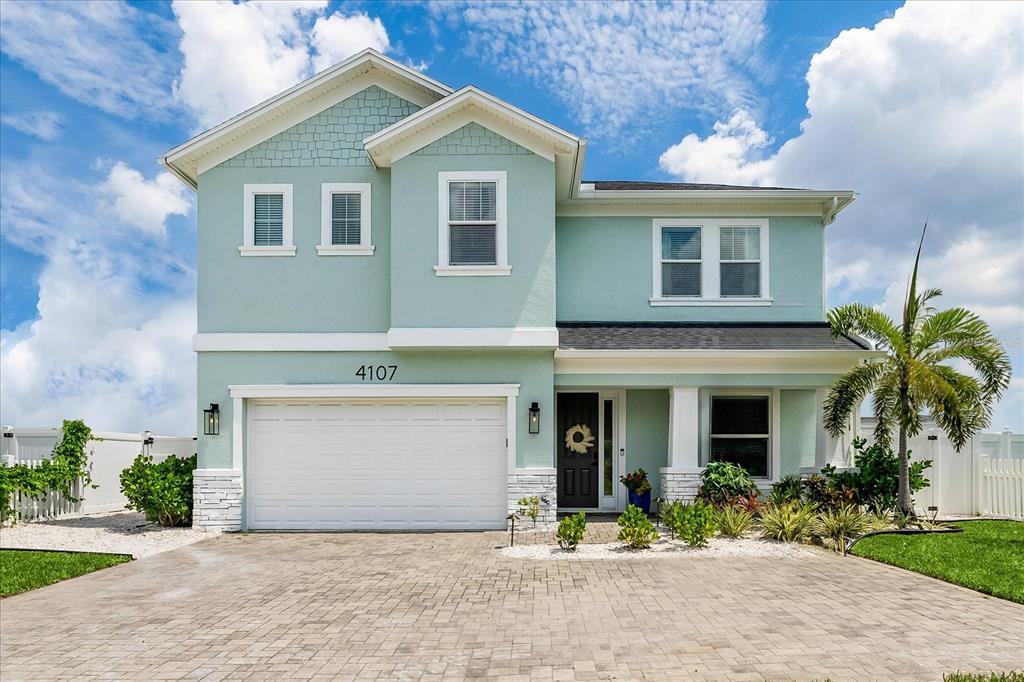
[616, 65]
[921, 115]
[95, 52]
[146, 204]
[46, 125]
[338, 37]
[238, 54]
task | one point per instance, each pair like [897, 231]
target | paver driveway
[431, 605]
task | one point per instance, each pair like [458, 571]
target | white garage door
[371, 463]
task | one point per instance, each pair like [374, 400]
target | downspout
[830, 214]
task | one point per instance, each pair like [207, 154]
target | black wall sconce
[211, 420]
[534, 418]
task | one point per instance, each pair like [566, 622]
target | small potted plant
[639, 489]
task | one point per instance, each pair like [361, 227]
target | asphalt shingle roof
[704, 336]
[611, 185]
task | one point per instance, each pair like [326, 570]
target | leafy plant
[790, 522]
[635, 529]
[826, 493]
[636, 481]
[788, 489]
[1012, 676]
[914, 377]
[723, 482]
[751, 502]
[160, 490]
[667, 512]
[67, 464]
[529, 507]
[877, 479]
[733, 522]
[570, 531]
[839, 525]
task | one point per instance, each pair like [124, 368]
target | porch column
[681, 478]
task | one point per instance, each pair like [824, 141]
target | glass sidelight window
[740, 432]
[608, 437]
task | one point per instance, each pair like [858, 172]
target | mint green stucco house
[413, 310]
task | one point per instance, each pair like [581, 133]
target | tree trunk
[903, 500]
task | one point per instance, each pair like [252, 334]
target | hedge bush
[160, 490]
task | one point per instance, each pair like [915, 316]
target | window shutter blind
[472, 245]
[680, 279]
[739, 415]
[749, 453]
[472, 201]
[346, 218]
[740, 243]
[680, 243]
[268, 220]
[741, 279]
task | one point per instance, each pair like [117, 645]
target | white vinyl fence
[986, 477]
[109, 453]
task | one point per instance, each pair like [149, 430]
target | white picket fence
[52, 505]
[1001, 487]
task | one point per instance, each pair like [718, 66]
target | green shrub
[635, 529]
[1012, 676]
[840, 525]
[571, 530]
[733, 522]
[695, 523]
[160, 490]
[790, 522]
[723, 482]
[529, 507]
[668, 510]
[788, 489]
[68, 463]
[877, 480]
[825, 493]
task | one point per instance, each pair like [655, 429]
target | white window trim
[774, 426]
[365, 245]
[287, 247]
[710, 269]
[443, 267]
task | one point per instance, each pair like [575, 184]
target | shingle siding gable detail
[472, 139]
[334, 137]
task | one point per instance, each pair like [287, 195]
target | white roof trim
[467, 105]
[184, 160]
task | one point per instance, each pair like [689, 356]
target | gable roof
[296, 104]
[632, 185]
[723, 336]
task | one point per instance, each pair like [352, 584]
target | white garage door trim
[240, 394]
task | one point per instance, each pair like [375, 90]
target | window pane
[345, 218]
[472, 245]
[680, 243]
[739, 415]
[741, 279]
[268, 220]
[609, 449]
[472, 201]
[749, 453]
[739, 243]
[680, 279]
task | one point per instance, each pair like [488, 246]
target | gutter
[163, 161]
[830, 214]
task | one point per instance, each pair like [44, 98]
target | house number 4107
[377, 372]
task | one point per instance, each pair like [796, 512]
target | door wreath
[579, 438]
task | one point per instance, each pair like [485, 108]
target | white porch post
[681, 478]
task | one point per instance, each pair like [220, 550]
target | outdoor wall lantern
[211, 420]
[534, 418]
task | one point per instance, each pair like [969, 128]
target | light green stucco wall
[798, 440]
[604, 273]
[531, 369]
[526, 298]
[647, 433]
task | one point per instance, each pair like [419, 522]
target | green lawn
[23, 570]
[988, 556]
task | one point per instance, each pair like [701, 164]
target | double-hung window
[345, 219]
[740, 261]
[472, 224]
[680, 261]
[740, 432]
[267, 218]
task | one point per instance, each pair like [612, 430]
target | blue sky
[917, 108]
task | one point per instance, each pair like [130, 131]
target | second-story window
[345, 219]
[267, 218]
[472, 234]
[740, 261]
[680, 261]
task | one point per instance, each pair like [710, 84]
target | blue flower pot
[642, 501]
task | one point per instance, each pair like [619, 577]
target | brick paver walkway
[361, 606]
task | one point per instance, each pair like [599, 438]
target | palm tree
[914, 375]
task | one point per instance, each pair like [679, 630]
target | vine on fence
[68, 463]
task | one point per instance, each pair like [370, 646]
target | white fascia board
[439, 119]
[374, 391]
[587, 201]
[417, 88]
[288, 342]
[708, 362]
[494, 337]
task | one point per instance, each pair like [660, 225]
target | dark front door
[577, 449]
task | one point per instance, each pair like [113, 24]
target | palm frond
[884, 401]
[847, 393]
[912, 302]
[857, 319]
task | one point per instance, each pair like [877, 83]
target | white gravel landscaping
[117, 532]
[664, 549]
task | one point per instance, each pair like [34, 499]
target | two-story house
[412, 311]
